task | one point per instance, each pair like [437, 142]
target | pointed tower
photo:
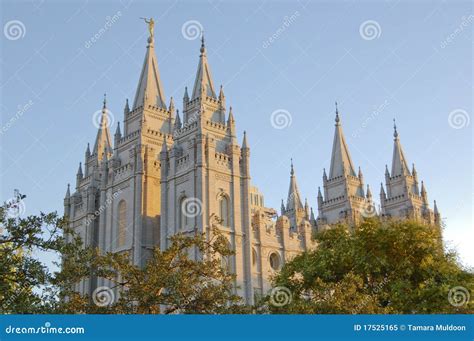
[344, 198]
[403, 198]
[204, 105]
[103, 142]
[203, 84]
[207, 166]
[294, 210]
[149, 86]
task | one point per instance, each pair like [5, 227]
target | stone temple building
[166, 172]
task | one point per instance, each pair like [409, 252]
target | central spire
[103, 141]
[203, 83]
[149, 86]
[399, 163]
[293, 201]
[341, 162]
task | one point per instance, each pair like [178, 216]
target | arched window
[254, 257]
[275, 261]
[183, 216]
[122, 223]
[224, 210]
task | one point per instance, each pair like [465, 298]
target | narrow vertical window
[224, 210]
[122, 222]
[183, 217]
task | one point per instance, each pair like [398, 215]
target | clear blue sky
[409, 70]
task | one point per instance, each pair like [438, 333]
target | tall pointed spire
[383, 196]
[88, 151]
[79, 171]
[341, 162]
[293, 201]
[103, 140]
[68, 192]
[149, 86]
[177, 122]
[203, 83]
[399, 163]
[244, 141]
[368, 193]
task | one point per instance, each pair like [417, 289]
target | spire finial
[292, 172]
[203, 46]
[105, 101]
[395, 132]
[337, 114]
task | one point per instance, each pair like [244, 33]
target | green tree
[379, 266]
[172, 280]
[27, 284]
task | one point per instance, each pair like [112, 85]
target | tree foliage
[188, 277]
[379, 266]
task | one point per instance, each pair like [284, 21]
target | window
[122, 222]
[275, 261]
[254, 257]
[183, 216]
[224, 210]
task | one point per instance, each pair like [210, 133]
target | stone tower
[116, 205]
[294, 209]
[344, 198]
[205, 175]
[404, 198]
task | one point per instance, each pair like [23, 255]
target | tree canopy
[379, 266]
[376, 267]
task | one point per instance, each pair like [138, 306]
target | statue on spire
[151, 26]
